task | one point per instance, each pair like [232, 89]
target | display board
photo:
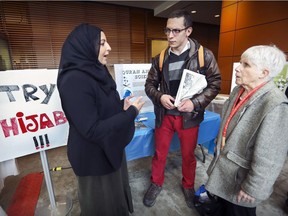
[130, 79]
[31, 116]
[233, 84]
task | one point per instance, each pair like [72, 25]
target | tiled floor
[169, 203]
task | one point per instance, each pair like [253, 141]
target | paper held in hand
[191, 83]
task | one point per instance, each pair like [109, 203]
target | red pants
[188, 141]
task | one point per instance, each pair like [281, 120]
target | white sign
[31, 116]
[130, 79]
[233, 84]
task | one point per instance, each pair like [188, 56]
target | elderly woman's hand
[245, 197]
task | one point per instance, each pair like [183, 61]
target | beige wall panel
[228, 18]
[251, 13]
[272, 33]
[158, 46]
[226, 44]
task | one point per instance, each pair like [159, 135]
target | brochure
[191, 83]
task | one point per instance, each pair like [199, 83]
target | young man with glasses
[161, 87]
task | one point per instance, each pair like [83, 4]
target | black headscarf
[80, 52]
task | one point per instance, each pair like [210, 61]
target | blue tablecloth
[142, 144]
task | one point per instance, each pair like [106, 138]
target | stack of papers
[191, 83]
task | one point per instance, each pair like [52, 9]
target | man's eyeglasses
[174, 31]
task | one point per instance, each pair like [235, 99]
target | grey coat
[256, 147]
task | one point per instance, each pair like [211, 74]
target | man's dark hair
[182, 13]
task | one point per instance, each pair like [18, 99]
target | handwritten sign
[31, 116]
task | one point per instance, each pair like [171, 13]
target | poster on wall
[31, 116]
[130, 80]
[281, 80]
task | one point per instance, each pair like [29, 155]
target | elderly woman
[252, 143]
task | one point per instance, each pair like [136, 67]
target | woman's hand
[138, 103]
[245, 197]
[127, 102]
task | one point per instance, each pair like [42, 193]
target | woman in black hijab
[101, 125]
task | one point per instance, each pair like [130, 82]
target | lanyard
[236, 106]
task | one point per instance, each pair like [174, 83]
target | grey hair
[266, 57]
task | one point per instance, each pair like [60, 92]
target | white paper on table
[191, 83]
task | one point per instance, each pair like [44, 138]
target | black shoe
[189, 194]
[151, 195]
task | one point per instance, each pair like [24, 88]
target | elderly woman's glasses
[167, 31]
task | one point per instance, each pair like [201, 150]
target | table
[216, 105]
[142, 144]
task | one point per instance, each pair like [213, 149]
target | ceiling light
[217, 15]
[194, 11]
